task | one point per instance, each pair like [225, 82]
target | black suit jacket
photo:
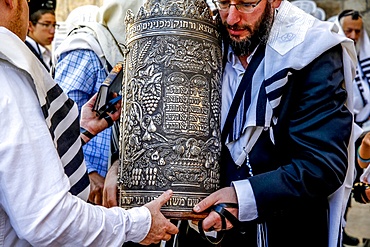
[293, 178]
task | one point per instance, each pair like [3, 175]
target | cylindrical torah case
[170, 121]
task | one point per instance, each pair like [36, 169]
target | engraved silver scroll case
[170, 121]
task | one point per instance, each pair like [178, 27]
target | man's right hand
[161, 228]
[110, 186]
[91, 122]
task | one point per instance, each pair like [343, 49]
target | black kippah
[35, 5]
[350, 12]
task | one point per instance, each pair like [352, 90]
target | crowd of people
[295, 92]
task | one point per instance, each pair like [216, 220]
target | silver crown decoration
[170, 121]
[159, 8]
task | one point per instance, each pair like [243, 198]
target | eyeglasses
[49, 25]
[241, 7]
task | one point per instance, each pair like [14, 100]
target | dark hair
[36, 16]
[350, 12]
[39, 7]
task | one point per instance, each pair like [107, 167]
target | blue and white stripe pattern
[363, 70]
[258, 106]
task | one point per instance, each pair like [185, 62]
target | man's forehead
[348, 21]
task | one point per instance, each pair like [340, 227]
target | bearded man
[287, 128]
[287, 131]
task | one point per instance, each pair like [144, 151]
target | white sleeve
[246, 200]
[33, 187]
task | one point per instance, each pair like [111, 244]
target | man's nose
[233, 15]
[352, 35]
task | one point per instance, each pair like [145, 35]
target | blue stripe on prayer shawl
[261, 107]
[365, 65]
[247, 102]
[242, 106]
[363, 76]
[364, 61]
[270, 92]
[277, 85]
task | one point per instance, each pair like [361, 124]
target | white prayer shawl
[43, 83]
[84, 13]
[104, 36]
[92, 36]
[112, 14]
[295, 32]
[362, 79]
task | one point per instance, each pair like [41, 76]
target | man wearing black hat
[41, 29]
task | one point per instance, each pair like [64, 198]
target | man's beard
[258, 36]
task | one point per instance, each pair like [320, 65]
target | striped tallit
[63, 122]
[61, 113]
[362, 78]
[363, 67]
[291, 34]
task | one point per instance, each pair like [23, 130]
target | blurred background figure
[311, 8]
[352, 26]
[41, 29]
[79, 15]
[83, 60]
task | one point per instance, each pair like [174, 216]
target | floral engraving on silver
[170, 121]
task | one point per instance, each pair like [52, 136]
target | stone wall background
[331, 7]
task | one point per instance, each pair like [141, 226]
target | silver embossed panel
[170, 122]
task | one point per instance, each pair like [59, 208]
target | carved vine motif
[162, 101]
[170, 122]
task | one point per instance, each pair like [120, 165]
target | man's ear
[9, 3]
[31, 27]
[275, 3]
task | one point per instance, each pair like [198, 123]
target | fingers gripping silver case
[170, 121]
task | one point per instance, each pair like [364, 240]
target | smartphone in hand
[111, 86]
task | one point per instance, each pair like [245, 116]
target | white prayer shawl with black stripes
[293, 32]
[362, 80]
[60, 112]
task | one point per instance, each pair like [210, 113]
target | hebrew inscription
[170, 121]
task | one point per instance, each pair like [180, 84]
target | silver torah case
[170, 122]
